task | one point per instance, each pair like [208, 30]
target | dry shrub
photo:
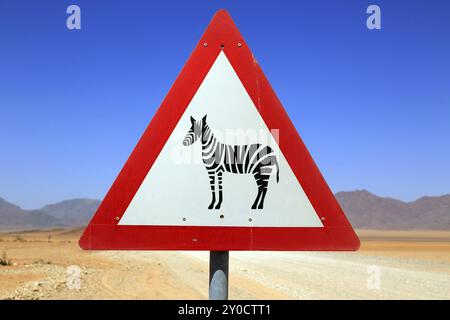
[19, 239]
[4, 260]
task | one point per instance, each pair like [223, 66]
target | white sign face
[178, 188]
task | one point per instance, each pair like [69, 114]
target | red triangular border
[103, 232]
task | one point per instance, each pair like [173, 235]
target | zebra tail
[278, 170]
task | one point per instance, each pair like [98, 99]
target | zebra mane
[206, 131]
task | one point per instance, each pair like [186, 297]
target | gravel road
[315, 275]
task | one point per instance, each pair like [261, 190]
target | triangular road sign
[220, 167]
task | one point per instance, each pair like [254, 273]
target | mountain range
[65, 214]
[368, 211]
[364, 210]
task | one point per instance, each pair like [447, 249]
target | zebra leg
[219, 183]
[263, 195]
[212, 179]
[262, 180]
[257, 199]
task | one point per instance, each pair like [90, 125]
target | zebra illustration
[256, 159]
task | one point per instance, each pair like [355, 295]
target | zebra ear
[204, 119]
[192, 120]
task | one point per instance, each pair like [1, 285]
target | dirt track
[408, 270]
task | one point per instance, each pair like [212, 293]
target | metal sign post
[218, 275]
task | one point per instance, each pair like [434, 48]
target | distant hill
[364, 210]
[75, 212]
[70, 213]
[13, 217]
[368, 211]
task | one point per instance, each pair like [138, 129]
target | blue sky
[373, 107]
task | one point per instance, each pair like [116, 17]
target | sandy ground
[408, 265]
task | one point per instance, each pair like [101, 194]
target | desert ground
[389, 265]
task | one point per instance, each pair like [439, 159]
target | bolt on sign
[220, 167]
